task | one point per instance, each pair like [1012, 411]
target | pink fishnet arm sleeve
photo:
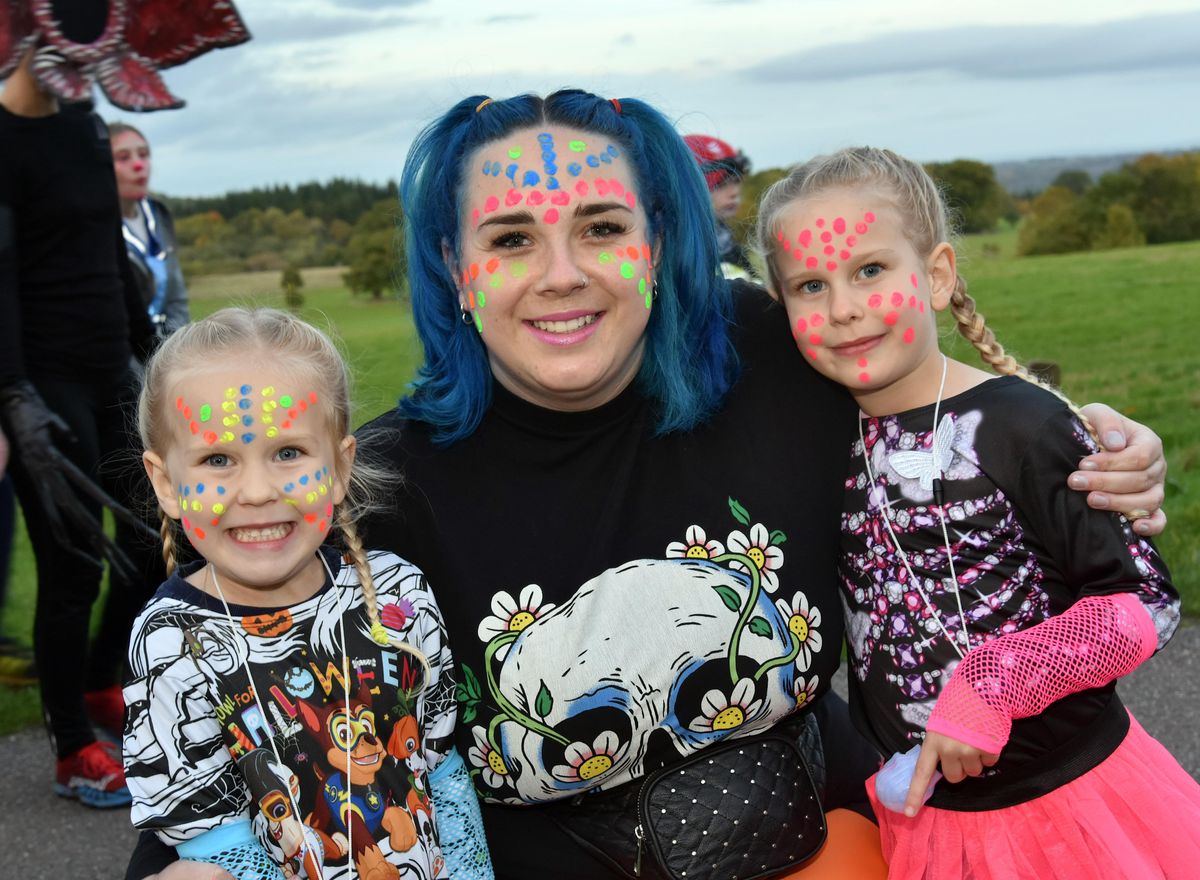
[1096, 640]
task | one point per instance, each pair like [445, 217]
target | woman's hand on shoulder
[1129, 475]
[956, 759]
[185, 870]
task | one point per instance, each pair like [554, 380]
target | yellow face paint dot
[229, 421]
[324, 490]
[310, 497]
[227, 437]
[229, 406]
[272, 432]
[197, 506]
[269, 391]
[230, 393]
[218, 508]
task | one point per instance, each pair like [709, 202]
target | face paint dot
[512, 197]
[844, 255]
[230, 393]
[605, 258]
[812, 354]
[220, 490]
[646, 252]
[820, 223]
[286, 400]
[829, 250]
[860, 228]
[194, 428]
[187, 412]
[627, 270]
[245, 389]
[531, 178]
[197, 506]
[801, 327]
[909, 335]
[289, 487]
[839, 225]
[642, 286]
[200, 533]
[912, 301]
[229, 421]
[812, 262]
[592, 162]
[244, 403]
[205, 413]
[574, 168]
[551, 215]
[323, 489]
[826, 237]
[247, 437]
[310, 517]
[514, 153]
[818, 319]
[897, 298]
[210, 438]
[492, 265]
[890, 318]
[475, 216]
[814, 338]
[215, 521]
[491, 204]
[864, 378]
[601, 186]
[805, 238]
[517, 270]
[851, 241]
[186, 524]
[272, 432]
[227, 437]
[875, 300]
[862, 362]
[481, 298]
[187, 490]
[218, 508]
[304, 480]
[869, 217]
[562, 198]
[831, 265]
[913, 279]
[921, 306]
[630, 199]
[511, 172]
[495, 282]
[535, 198]
[310, 497]
[577, 146]
[581, 188]
[228, 406]
[178, 403]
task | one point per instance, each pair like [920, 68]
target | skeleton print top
[1022, 548]
[198, 750]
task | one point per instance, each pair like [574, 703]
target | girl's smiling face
[860, 299]
[252, 473]
[556, 265]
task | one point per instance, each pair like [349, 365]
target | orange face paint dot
[210, 437]
[310, 517]
[178, 403]
[646, 252]
[200, 533]
[474, 270]
[312, 397]
[492, 265]
[471, 300]
[194, 428]
[216, 521]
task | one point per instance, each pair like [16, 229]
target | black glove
[31, 430]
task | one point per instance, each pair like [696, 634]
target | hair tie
[616, 104]
[483, 104]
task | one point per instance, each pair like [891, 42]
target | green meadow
[1118, 323]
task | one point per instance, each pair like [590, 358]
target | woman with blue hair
[625, 491]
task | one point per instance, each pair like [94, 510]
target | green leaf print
[730, 597]
[468, 713]
[739, 512]
[469, 684]
[760, 627]
[544, 702]
[778, 537]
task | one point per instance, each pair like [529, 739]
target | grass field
[1119, 324]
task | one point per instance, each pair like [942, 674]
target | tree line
[1150, 200]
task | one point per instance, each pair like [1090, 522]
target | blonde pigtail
[166, 531]
[358, 558]
[974, 329]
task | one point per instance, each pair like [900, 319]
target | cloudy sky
[339, 87]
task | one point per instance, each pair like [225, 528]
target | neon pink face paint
[827, 243]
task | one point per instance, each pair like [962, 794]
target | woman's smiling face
[556, 265]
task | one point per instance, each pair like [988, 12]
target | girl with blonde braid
[989, 610]
[290, 705]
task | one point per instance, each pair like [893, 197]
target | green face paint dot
[514, 153]
[517, 270]
[605, 258]
[642, 286]
[480, 298]
[495, 282]
[478, 322]
[648, 300]
[577, 146]
[205, 413]
[627, 270]
[286, 400]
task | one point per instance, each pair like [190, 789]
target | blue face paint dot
[289, 487]
[245, 389]
[186, 490]
[244, 403]
[487, 166]
[545, 138]
[199, 488]
[605, 158]
[612, 151]
[551, 168]
[548, 156]
[574, 168]
[304, 480]
[593, 162]
[247, 421]
[247, 438]
[511, 172]
[552, 183]
[531, 178]
[220, 490]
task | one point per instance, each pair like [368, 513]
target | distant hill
[1034, 175]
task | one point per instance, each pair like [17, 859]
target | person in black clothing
[70, 319]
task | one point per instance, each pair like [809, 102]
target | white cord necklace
[939, 504]
[211, 569]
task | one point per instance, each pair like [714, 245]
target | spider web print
[998, 577]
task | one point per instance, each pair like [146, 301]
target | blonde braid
[972, 326]
[166, 530]
[358, 557]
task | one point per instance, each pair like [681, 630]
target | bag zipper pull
[640, 834]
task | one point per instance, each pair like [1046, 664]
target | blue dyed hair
[689, 362]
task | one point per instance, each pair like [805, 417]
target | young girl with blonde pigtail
[290, 705]
[989, 611]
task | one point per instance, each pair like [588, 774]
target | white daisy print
[805, 690]
[696, 545]
[802, 622]
[482, 755]
[727, 712]
[586, 762]
[766, 556]
[513, 615]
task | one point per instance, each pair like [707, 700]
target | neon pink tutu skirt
[1134, 815]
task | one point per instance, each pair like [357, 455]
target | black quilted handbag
[740, 810]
